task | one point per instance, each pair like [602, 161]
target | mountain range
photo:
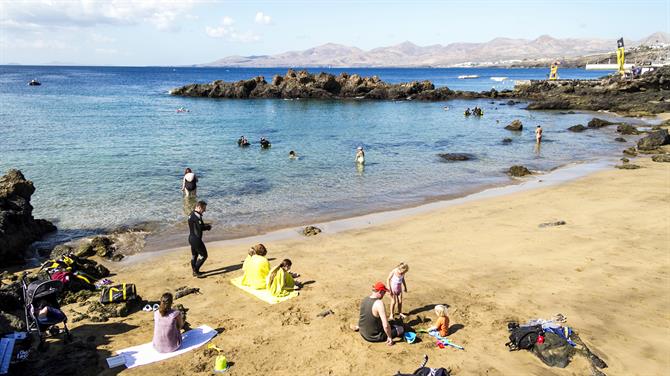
[496, 52]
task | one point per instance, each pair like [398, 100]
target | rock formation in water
[18, 228]
[648, 94]
[302, 84]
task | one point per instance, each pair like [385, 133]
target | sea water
[105, 146]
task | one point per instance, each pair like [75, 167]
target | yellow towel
[263, 294]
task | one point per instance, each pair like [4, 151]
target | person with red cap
[373, 323]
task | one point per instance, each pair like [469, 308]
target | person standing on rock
[538, 134]
[196, 226]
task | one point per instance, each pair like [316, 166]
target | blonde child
[396, 282]
[442, 324]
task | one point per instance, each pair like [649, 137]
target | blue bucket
[410, 337]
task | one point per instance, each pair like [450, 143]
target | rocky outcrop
[515, 125]
[311, 231]
[518, 171]
[653, 140]
[630, 151]
[18, 228]
[627, 129]
[598, 123]
[661, 158]
[452, 157]
[577, 128]
[302, 84]
[620, 139]
[644, 95]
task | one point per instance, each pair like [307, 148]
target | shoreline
[558, 175]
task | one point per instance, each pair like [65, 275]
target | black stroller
[42, 308]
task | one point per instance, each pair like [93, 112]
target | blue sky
[181, 32]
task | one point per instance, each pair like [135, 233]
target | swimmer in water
[292, 155]
[360, 155]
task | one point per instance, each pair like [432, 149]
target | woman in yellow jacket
[256, 268]
[280, 280]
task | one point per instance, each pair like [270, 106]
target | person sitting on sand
[396, 282]
[167, 326]
[373, 323]
[442, 324]
[189, 183]
[256, 268]
[280, 280]
[360, 156]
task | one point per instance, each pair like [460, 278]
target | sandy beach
[606, 270]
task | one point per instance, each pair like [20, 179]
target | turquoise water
[106, 148]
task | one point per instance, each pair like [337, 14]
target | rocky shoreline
[646, 95]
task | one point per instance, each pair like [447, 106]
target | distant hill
[496, 52]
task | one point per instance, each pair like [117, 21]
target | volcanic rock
[451, 157]
[515, 125]
[620, 139]
[518, 171]
[630, 151]
[661, 158]
[577, 128]
[627, 129]
[598, 123]
[653, 140]
[627, 166]
[18, 228]
[311, 231]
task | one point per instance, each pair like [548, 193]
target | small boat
[499, 79]
[467, 76]
[34, 83]
[182, 109]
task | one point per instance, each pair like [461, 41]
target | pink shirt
[166, 335]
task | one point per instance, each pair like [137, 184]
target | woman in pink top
[167, 326]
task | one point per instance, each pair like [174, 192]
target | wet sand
[606, 270]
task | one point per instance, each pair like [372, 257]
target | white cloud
[99, 38]
[107, 51]
[262, 18]
[52, 14]
[32, 44]
[228, 31]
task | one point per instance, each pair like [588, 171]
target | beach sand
[606, 270]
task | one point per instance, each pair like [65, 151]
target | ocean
[105, 147]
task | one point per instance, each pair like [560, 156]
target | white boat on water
[499, 79]
[467, 76]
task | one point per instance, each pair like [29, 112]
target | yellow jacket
[256, 269]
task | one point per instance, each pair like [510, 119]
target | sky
[184, 32]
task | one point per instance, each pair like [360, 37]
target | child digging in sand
[442, 324]
[396, 282]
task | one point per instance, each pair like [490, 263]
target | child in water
[442, 324]
[396, 282]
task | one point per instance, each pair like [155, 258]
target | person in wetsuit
[189, 183]
[195, 227]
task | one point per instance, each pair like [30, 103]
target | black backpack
[426, 371]
[523, 337]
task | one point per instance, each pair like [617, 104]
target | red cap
[379, 287]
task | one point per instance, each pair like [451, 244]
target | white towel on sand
[145, 354]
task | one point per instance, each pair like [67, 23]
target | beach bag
[555, 351]
[523, 337]
[118, 293]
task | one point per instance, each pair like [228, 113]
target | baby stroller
[426, 371]
[42, 308]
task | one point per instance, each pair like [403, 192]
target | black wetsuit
[196, 226]
[191, 185]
